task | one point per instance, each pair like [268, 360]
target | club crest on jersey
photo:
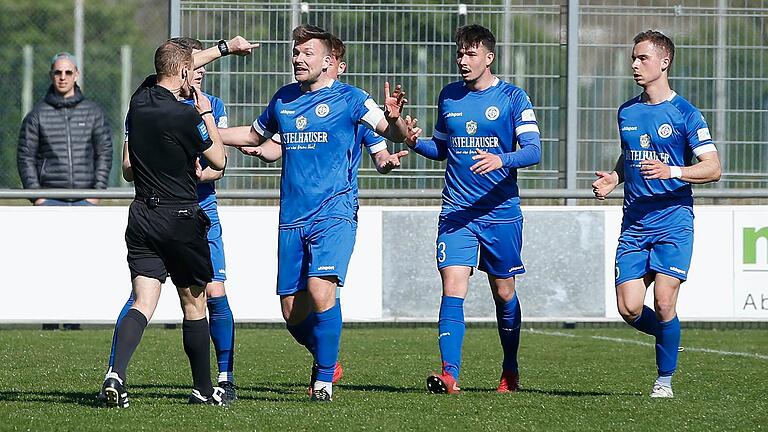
[645, 140]
[665, 130]
[471, 127]
[492, 113]
[301, 123]
[322, 110]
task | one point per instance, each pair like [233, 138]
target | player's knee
[630, 313]
[665, 308]
[215, 289]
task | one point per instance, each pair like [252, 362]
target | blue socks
[120, 317]
[667, 342]
[222, 326]
[327, 336]
[647, 322]
[667, 339]
[508, 318]
[450, 327]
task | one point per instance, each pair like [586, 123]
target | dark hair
[338, 49]
[188, 42]
[170, 57]
[307, 32]
[473, 35]
[659, 40]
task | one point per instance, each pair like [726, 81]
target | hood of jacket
[57, 101]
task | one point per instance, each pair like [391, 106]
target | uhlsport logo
[665, 130]
[471, 127]
[301, 123]
[322, 110]
[645, 140]
[492, 113]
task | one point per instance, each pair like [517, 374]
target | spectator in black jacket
[64, 141]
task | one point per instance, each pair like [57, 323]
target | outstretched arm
[268, 151]
[238, 45]
[241, 136]
[434, 148]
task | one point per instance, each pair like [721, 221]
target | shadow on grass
[574, 393]
[52, 396]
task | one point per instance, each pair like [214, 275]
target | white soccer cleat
[661, 391]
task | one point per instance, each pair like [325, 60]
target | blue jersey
[673, 131]
[317, 131]
[497, 120]
[207, 189]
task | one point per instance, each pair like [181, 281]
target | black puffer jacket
[65, 143]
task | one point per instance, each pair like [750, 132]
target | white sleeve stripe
[706, 148]
[439, 135]
[373, 117]
[526, 128]
[263, 132]
[379, 146]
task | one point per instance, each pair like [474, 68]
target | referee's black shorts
[168, 238]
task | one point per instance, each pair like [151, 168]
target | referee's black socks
[197, 345]
[129, 334]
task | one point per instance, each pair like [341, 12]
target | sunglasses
[63, 72]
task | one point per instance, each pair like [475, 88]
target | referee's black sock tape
[129, 334]
[196, 335]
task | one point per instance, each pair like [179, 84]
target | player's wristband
[206, 112]
[675, 172]
[223, 47]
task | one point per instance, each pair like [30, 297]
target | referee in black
[166, 231]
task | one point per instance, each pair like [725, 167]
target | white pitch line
[637, 342]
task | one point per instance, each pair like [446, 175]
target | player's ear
[665, 63]
[489, 58]
[342, 67]
[326, 62]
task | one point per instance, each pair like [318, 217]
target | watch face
[223, 48]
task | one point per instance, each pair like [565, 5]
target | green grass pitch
[582, 379]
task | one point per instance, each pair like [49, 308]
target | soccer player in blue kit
[486, 129]
[316, 122]
[222, 327]
[299, 315]
[660, 134]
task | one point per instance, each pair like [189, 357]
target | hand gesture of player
[414, 132]
[238, 45]
[486, 162]
[393, 104]
[655, 169]
[392, 162]
[198, 169]
[605, 183]
[202, 103]
[251, 150]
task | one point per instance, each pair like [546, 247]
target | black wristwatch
[223, 48]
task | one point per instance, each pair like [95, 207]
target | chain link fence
[720, 66]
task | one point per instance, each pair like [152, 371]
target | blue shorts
[322, 248]
[215, 242]
[666, 252]
[499, 244]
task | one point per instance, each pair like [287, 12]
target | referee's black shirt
[166, 136]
